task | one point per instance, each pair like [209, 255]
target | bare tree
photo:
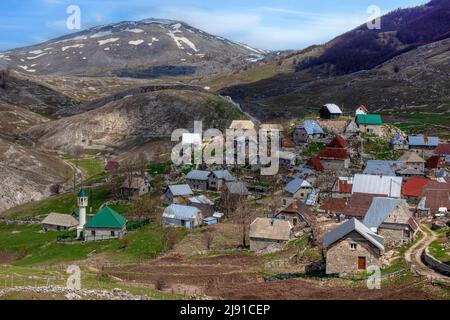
[208, 238]
[168, 238]
[145, 207]
[76, 152]
[243, 215]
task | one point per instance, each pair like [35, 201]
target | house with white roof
[379, 185]
[330, 111]
[177, 215]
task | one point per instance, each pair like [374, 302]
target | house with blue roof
[178, 193]
[296, 189]
[177, 215]
[391, 219]
[382, 167]
[198, 179]
[307, 131]
[422, 142]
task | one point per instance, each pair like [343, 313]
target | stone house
[423, 143]
[308, 130]
[369, 123]
[342, 187]
[198, 179]
[286, 159]
[412, 160]
[135, 186]
[391, 219]
[334, 159]
[178, 193]
[351, 248]
[265, 232]
[218, 178]
[412, 188]
[106, 224]
[296, 213]
[59, 221]
[435, 195]
[296, 189]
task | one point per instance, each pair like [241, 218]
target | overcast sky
[266, 24]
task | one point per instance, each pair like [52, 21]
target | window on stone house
[353, 246]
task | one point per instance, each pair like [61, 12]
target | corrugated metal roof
[198, 175]
[311, 127]
[419, 140]
[379, 210]
[294, 185]
[382, 167]
[180, 190]
[349, 226]
[374, 184]
[60, 219]
[181, 212]
[332, 108]
[201, 199]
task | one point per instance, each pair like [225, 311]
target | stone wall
[435, 264]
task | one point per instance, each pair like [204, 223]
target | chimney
[425, 138]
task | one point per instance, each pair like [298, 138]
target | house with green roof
[106, 224]
[369, 123]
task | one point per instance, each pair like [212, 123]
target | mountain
[145, 49]
[125, 121]
[401, 31]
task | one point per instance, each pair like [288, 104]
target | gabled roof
[434, 162]
[330, 153]
[112, 165]
[201, 199]
[294, 185]
[343, 185]
[60, 219]
[272, 229]
[382, 167]
[442, 173]
[379, 210]
[410, 157]
[333, 108]
[421, 140]
[349, 226]
[436, 194]
[335, 205]
[198, 175]
[223, 175]
[338, 142]
[384, 185]
[237, 187]
[443, 149]
[180, 190]
[286, 155]
[181, 212]
[315, 163]
[358, 204]
[364, 108]
[298, 207]
[311, 127]
[413, 187]
[106, 218]
[409, 171]
[369, 119]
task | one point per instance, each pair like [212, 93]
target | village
[356, 189]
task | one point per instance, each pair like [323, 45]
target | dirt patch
[6, 258]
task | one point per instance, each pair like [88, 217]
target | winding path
[414, 260]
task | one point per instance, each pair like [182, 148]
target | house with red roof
[442, 150]
[434, 163]
[334, 159]
[412, 188]
[333, 206]
[338, 142]
[314, 163]
[342, 187]
[287, 144]
[297, 213]
[435, 195]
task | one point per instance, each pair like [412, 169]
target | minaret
[82, 202]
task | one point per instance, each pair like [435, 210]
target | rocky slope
[27, 175]
[127, 121]
[145, 49]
